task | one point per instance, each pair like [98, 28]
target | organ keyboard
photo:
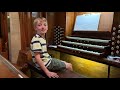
[79, 50]
[89, 40]
[85, 47]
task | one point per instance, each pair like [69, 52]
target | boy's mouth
[42, 29]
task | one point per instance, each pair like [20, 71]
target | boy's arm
[42, 66]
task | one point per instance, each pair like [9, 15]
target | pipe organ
[86, 40]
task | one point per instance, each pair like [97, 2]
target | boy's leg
[56, 64]
[68, 65]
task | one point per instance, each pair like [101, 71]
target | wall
[51, 23]
[14, 37]
[54, 19]
[70, 20]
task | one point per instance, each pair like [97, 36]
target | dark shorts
[56, 65]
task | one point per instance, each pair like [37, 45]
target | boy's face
[41, 27]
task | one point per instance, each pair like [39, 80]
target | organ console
[85, 47]
[92, 45]
[88, 44]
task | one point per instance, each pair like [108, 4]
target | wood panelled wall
[60, 19]
[51, 23]
[3, 35]
[116, 20]
[26, 29]
[4, 30]
[54, 19]
[70, 20]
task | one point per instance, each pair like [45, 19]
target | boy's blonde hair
[41, 19]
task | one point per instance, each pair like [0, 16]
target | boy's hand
[52, 75]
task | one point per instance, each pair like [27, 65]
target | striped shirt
[38, 44]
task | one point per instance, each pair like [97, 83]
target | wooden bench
[25, 58]
[62, 74]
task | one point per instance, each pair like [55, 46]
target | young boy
[40, 55]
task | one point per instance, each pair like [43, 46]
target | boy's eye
[45, 24]
[39, 24]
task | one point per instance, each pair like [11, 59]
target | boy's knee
[69, 66]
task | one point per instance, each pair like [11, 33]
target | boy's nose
[42, 27]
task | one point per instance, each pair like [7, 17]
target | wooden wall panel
[29, 28]
[54, 19]
[51, 24]
[4, 26]
[116, 20]
[22, 30]
[60, 19]
[106, 21]
[3, 35]
[70, 20]
[0, 44]
[4, 30]
[26, 28]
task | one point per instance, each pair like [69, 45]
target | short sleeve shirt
[38, 44]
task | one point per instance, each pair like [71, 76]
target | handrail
[11, 67]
